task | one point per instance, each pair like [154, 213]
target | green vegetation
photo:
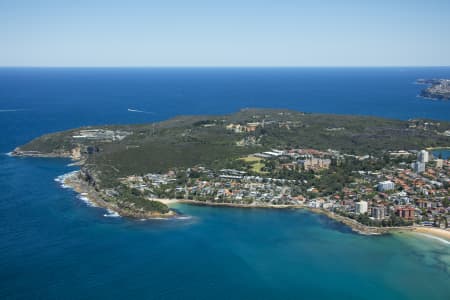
[134, 199]
[255, 164]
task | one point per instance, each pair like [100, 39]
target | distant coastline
[438, 89]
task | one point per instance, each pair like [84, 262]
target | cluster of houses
[226, 185]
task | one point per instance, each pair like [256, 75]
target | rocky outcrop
[31, 153]
[74, 154]
[437, 89]
[84, 183]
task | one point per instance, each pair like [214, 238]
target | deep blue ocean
[55, 246]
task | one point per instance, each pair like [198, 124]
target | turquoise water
[55, 246]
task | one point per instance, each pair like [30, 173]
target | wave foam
[86, 200]
[183, 218]
[435, 238]
[111, 214]
[62, 178]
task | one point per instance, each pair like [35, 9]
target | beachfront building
[385, 186]
[378, 212]
[361, 207]
[405, 212]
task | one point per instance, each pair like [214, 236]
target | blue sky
[225, 33]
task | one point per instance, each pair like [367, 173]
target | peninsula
[369, 173]
[437, 88]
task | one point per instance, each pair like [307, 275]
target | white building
[423, 156]
[385, 186]
[418, 167]
[361, 207]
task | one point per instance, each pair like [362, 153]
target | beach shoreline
[433, 231]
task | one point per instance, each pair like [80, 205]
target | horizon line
[220, 66]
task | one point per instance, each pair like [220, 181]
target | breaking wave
[183, 218]
[111, 214]
[60, 179]
[83, 197]
[436, 238]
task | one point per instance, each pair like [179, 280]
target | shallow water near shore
[53, 245]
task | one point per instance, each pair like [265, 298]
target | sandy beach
[437, 232]
[166, 201]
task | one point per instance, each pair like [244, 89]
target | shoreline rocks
[77, 182]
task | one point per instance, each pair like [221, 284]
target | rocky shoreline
[21, 153]
[82, 187]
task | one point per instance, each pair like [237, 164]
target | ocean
[54, 245]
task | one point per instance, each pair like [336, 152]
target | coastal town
[340, 171]
[413, 190]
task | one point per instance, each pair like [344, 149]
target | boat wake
[140, 111]
[10, 110]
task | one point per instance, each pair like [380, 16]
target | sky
[225, 33]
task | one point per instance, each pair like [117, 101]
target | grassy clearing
[256, 163]
[257, 168]
[251, 159]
